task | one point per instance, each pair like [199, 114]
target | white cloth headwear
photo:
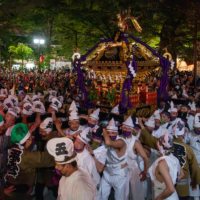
[40, 96]
[178, 128]
[185, 94]
[95, 114]
[12, 93]
[2, 93]
[27, 99]
[14, 111]
[73, 106]
[27, 109]
[52, 95]
[156, 115]
[7, 103]
[172, 108]
[128, 122]
[14, 100]
[192, 106]
[150, 122]
[73, 116]
[197, 120]
[21, 93]
[86, 135]
[35, 98]
[62, 149]
[47, 125]
[115, 110]
[60, 98]
[56, 104]
[111, 126]
[174, 96]
[38, 107]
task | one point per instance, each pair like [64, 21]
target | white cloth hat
[179, 128]
[53, 93]
[21, 93]
[2, 93]
[197, 120]
[12, 93]
[128, 122]
[38, 107]
[14, 111]
[35, 98]
[156, 115]
[95, 114]
[14, 100]
[62, 149]
[73, 116]
[73, 106]
[27, 109]
[56, 104]
[184, 93]
[192, 106]
[60, 98]
[150, 122]
[115, 110]
[174, 96]
[172, 108]
[111, 126]
[27, 99]
[8, 103]
[47, 125]
[86, 135]
[40, 96]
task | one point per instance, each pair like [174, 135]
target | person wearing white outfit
[173, 114]
[165, 171]
[76, 183]
[116, 172]
[133, 148]
[85, 160]
[192, 138]
[165, 119]
[190, 118]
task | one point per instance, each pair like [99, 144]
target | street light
[39, 42]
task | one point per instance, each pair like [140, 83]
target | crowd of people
[46, 145]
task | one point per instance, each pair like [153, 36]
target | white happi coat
[85, 160]
[168, 126]
[78, 186]
[134, 171]
[173, 122]
[190, 121]
[69, 131]
[100, 154]
[174, 169]
[114, 176]
[193, 140]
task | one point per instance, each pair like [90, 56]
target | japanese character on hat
[86, 135]
[47, 125]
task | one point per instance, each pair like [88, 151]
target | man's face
[184, 109]
[62, 168]
[174, 114]
[197, 110]
[92, 121]
[157, 122]
[126, 128]
[43, 133]
[111, 133]
[192, 111]
[165, 117]
[78, 144]
[149, 128]
[9, 117]
[191, 98]
[74, 125]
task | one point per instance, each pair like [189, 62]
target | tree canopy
[80, 23]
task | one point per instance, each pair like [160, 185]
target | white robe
[190, 121]
[69, 131]
[85, 160]
[134, 171]
[100, 154]
[193, 140]
[78, 186]
[168, 126]
[174, 170]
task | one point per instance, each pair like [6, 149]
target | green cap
[20, 133]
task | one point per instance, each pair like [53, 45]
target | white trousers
[120, 184]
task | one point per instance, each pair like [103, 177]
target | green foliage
[93, 95]
[21, 52]
[111, 95]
